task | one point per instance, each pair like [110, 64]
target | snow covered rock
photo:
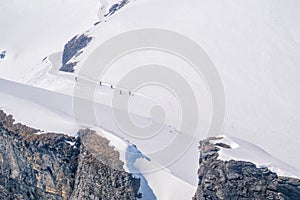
[234, 179]
[73, 48]
[2, 54]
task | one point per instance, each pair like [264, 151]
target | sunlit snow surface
[254, 44]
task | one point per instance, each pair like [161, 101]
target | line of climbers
[111, 86]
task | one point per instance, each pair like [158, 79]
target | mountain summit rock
[239, 180]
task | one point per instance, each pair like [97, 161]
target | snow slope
[254, 45]
[31, 31]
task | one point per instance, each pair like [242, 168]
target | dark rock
[73, 48]
[2, 54]
[95, 24]
[68, 67]
[30, 167]
[100, 172]
[226, 146]
[233, 179]
[47, 167]
[115, 7]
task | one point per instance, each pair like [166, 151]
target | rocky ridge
[56, 166]
[239, 180]
[73, 48]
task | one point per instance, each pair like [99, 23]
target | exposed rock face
[232, 180]
[35, 166]
[100, 173]
[117, 6]
[47, 167]
[2, 54]
[71, 49]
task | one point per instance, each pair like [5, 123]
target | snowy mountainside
[254, 47]
[39, 28]
[253, 44]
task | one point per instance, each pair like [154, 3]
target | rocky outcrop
[2, 54]
[35, 166]
[234, 180]
[115, 7]
[71, 49]
[100, 173]
[56, 166]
